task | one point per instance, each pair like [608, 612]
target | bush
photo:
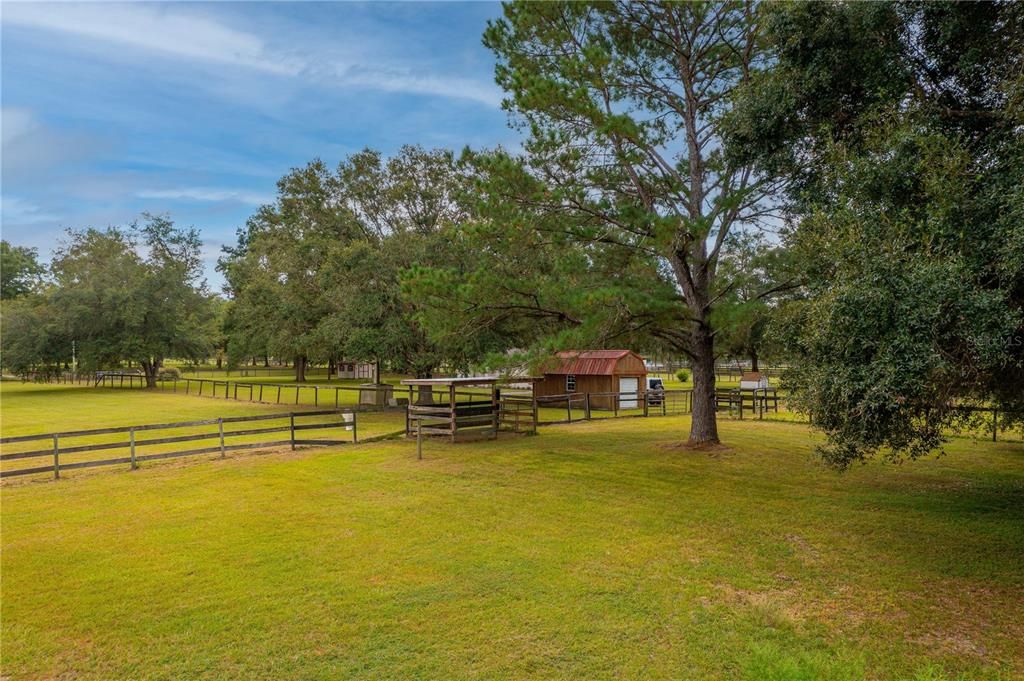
[169, 374]
[683, 375]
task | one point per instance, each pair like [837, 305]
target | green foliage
[319, 274]
[20, 271]
[898, 130]
[683, 375]
[611, 229]
[118, 294]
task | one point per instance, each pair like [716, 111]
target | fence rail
[347, 422]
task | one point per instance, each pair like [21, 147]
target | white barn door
[628, 387]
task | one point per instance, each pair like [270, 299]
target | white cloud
[16, 122]
[407, 81]
[152, 28]
[175, 32]
[206, 194]
[20, 212]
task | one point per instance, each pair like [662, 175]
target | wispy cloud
[152, 28]
[17, 211]
[206, 194]
[185, 34]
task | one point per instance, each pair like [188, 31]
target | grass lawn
[591, 551]
[30, 408]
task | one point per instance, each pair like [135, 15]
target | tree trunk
[704, 422]
[331, 366]
[220, 362]
[150, 369]
[266, 360]
[753, 360]
[300, 369]
[425, 393]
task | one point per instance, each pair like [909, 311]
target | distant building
[362, 370]
[598, 372]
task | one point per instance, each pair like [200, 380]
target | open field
[29, 408]
[591, 551]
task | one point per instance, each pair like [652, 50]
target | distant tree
[898, 126]
[132, 294]
[20, 271]
[273, 274]
[623, 102]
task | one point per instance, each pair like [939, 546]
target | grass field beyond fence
[596, 550]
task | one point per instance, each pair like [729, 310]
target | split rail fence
[295, 427]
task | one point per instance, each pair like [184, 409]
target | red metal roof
[589, 362]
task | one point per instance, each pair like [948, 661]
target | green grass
[590, 551]
[30, 408]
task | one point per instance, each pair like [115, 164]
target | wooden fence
[347, 422]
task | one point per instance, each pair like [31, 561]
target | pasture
[596, 550]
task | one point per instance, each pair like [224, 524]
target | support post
[220, 431]
[279, 394]
[419, 441]
[261, 392]
[355, 431]
[536, 416]
[568, 406]
[586, 406]
[291, 418]
[644, 394]
[56, 458]
[131, 444]
[336, 398]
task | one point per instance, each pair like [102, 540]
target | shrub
[683, 375]
[169, 374]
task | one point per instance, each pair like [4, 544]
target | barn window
[570, 383]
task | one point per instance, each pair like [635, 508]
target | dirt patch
[711, 449]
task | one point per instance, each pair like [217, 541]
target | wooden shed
[606, 375]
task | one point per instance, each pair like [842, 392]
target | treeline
[840, 185]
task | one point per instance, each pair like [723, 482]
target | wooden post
[355, 432]
[220, 430]
[615, 404]
[419, 441]
[316, 397]
[131, 443]
[56, 458]
[336, 398]
[227, 389]
[586, 406]
[279, 394]
[536, 415]
[297, 389]
[451, 403]
[261, 392]
[292, 421]
[644, 393]
[568, 406]
[236, 391]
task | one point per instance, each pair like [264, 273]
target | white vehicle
[655, 391]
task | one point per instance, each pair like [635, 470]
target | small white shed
[753, 380]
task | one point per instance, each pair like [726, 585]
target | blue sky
[195, 109]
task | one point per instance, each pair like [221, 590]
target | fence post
[644, 393]
[236, 391]
[292, 420]
[56, 458]
[220, 429]
[297, 389]
[261, 392]
[131, 443]
[279, 394]
[586, 406]
[536, 416]
[316, 397]
[568, 406]
[335, 398]
[419, 440]
[355, 433]
[227, 389]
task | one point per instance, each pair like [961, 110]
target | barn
[598, 372]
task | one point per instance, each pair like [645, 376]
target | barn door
[628, 387]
